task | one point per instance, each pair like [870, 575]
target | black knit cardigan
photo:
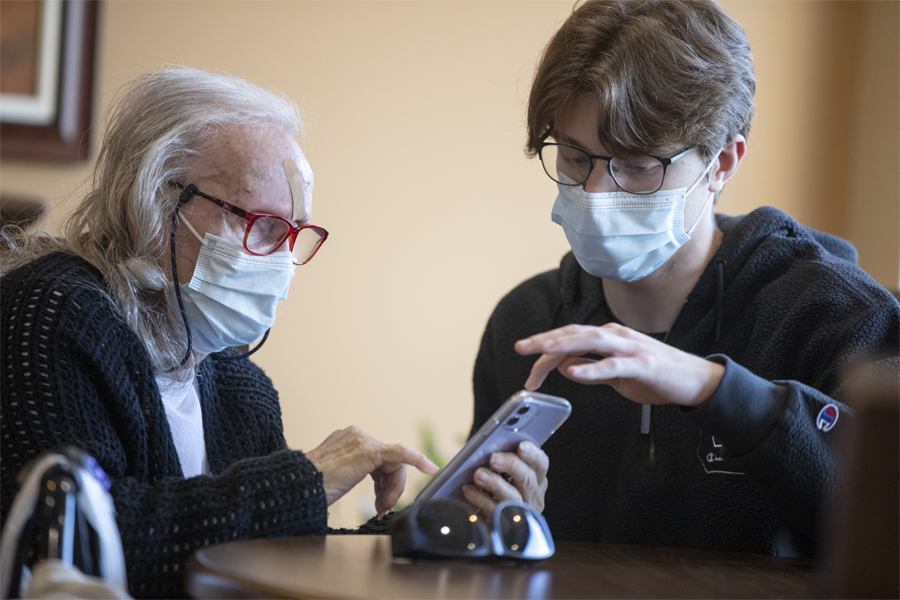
[74, 373]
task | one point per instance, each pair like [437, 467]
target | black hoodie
[787, 311]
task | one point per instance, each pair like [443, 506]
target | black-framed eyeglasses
[265, 234]
[570, 165]
[451, 529]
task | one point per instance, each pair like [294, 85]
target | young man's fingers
[541, 368]
[536, 458]
[481, 500]
[584, 337]
[496, 485]
[605, 370]
[596, 340]
[518, 472]
[521, 476]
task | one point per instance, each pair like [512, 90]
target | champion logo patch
[828, 416]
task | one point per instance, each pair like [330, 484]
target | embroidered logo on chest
[709, 452]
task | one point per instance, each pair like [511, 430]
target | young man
[721, 343]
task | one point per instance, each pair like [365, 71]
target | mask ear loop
[186, 195]
[705, 204]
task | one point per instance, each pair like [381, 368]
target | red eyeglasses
[267, 233]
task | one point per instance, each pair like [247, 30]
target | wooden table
[361, 566]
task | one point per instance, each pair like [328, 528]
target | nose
[600, 180]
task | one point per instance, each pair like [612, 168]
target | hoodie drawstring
[720, 296]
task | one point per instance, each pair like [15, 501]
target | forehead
[244, 165]
[577, 122]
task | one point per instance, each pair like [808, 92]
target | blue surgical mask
[620, 235]
[232, 296]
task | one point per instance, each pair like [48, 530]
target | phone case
[524, 416]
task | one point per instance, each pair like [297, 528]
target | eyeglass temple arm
[226, 205]
[668, 161]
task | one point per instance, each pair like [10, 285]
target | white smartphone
[524, 416]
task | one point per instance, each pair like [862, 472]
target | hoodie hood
[774, 221]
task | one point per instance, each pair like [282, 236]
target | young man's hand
[636, 365]
[520, 475]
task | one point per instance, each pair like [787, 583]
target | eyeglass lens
[522, 534]
[640, 175]
[449, 527]
[267, 234]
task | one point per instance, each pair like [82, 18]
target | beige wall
[872, 207]
[416, 133]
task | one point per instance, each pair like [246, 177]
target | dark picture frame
[67, 136]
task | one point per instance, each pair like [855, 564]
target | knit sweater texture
[74, 373]
[787, 312]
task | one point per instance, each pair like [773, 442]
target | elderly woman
[121, 339]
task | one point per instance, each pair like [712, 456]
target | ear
[729, 160]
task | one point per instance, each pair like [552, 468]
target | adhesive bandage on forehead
[301, 190]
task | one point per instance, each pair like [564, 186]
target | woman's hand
[348, 455]
[513, 476]
[636, 365]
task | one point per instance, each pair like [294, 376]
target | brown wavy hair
[666, 73]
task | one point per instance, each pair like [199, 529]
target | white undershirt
[181, 401]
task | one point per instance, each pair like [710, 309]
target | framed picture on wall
[46, 77]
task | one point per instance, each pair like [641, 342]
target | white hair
[162, 120]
